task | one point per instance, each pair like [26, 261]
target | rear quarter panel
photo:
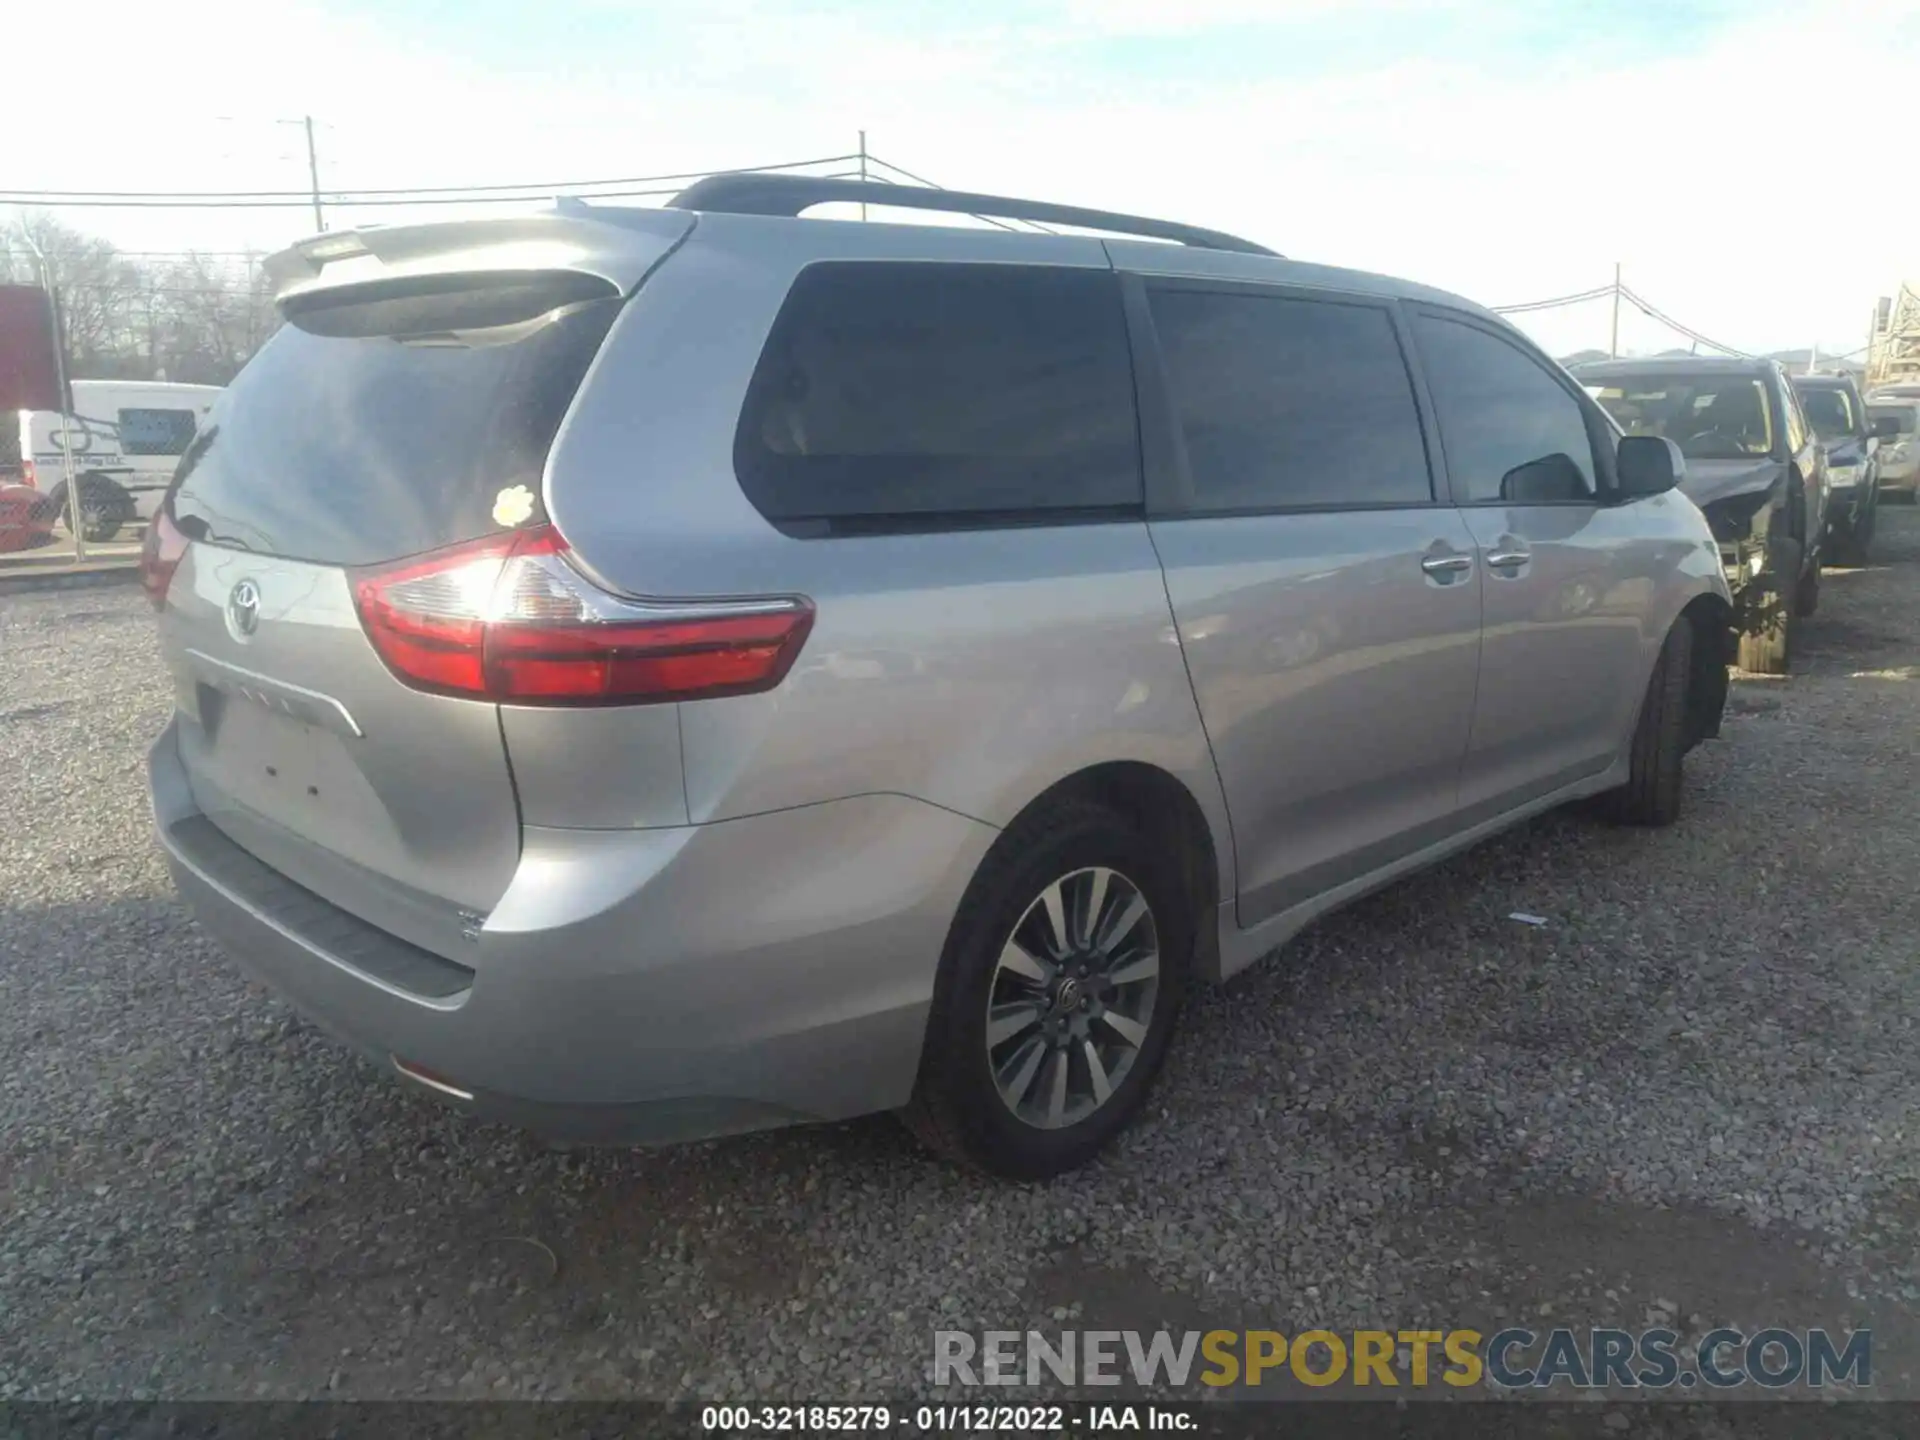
[971, 670]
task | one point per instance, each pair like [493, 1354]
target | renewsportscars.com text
[1655, 1359]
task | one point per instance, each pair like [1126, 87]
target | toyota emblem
[243, 608]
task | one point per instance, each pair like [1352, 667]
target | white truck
[125, 437]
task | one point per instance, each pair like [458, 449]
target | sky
[1731, 157]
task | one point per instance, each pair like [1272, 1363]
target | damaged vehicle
[1839, 418]
[1753, 467]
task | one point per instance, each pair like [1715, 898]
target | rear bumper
[640, 986]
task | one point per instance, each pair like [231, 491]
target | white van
[126, 436]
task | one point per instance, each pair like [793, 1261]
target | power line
[382, 195]
[1653, 313]
[889, 180]
[1585, 295]
[902, 170]
[302, 204]
[1622, 291]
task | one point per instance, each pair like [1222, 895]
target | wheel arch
[1715, 645]
[84, 477]
[1163, 807]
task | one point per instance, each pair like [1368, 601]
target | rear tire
[961, 1106]
[1656, 769]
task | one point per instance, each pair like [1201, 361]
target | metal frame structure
[1894, 357]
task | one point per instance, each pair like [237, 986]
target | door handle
[1508, 559]
[1446, 564]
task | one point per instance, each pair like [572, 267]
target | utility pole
[1613, 345]
[58, 325]
[863, 170]
[1813, 357]
[313, 175]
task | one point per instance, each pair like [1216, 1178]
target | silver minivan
[646, 674]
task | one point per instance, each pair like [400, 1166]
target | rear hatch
[390, 419]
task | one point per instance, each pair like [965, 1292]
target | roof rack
[763, 194]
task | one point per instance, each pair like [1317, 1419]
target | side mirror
[1550, 480]
[1886, 427]
[1648, 465]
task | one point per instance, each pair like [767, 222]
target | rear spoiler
[618, 246]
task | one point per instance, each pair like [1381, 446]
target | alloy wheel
[1072, 997]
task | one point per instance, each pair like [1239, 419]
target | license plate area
[265, 758]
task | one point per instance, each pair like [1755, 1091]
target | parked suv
[647, 674]
[1895, 423]
[1754, 467]
[1839, 418]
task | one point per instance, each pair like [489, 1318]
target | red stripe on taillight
[507, 619]
[29, 476]
[160, 553]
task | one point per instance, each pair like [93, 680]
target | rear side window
[1289, 403]
[357, 446]
[923, 396]
[1511, 430]
[155, 432]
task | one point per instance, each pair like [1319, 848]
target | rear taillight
[160, 554]
[29, 476]
[508, 619]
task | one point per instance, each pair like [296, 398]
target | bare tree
[194, 319]
[96, 284]
[209, 318]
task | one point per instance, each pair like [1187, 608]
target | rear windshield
[923, 396]
[1901, 415]
[349, 448]
[1829, 411]
[1710, 417]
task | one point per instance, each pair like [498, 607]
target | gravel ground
[1692, 1093]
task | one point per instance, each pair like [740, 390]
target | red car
[25, 520]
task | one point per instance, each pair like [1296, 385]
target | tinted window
[351, 450]
[1829, 411]
[1510, 428]
[922, 395]
[1902, 415]
[1289, 402]
[155, 432]
[1709, 416]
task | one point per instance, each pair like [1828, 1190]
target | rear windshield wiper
[195, 527]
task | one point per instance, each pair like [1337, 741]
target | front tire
[1806, 594]
[1656, 770]
[1858, 539]
[1057, 995]
[1767, 620]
